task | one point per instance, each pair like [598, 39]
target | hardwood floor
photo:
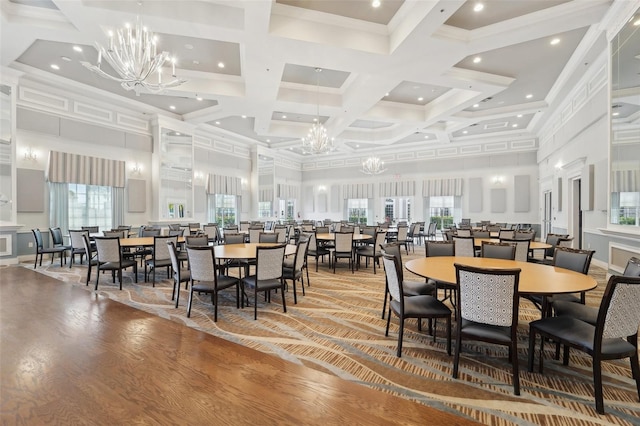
[68, 356]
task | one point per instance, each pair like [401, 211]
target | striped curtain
[405, 188]
[265, 194]
[73, 168]
[357, 190]
[287, 192]
[442, 187]
[625, 181]
[225, 185]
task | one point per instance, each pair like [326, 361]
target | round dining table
[535, 278]
[533, 245]
[141, 241]
[246, 250]
[332, 236]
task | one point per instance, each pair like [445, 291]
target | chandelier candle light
[132, 54]
[373, 166]
[317, 141]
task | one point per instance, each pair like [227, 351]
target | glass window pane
[90, 205]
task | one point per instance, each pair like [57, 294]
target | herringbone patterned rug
[337, 328]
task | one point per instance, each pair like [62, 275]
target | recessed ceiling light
[172, 107]
[77, 48]
[178, 134]
[465, 132]
[188, 46]
[529, 96]
[55, 67]
[637, 23]
[220, 64]
[315, 119]
[476, 105]
[284, 116]
[426, 136]
[420, 99]
[268, 140]
[615, 114]
[478, 7]
[357, 146]
[376, 3]
[554, 41]
[217, 123]
[198, 98]
[477, 60]
[386, 94]
[514, 125]
[244, 116]
[519, 115]
[65, 58]
[291, 148]
[196, 62]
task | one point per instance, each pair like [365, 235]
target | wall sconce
[198, 177]
[498, 180]
[558, 165]
[30, 155]
[136, 169]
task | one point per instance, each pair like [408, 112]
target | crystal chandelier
[373, 166]
[317, 141]
[132, 54]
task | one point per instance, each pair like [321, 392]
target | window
[264, 209]
[397, 209]
[358, 210]
[223, 209]
[287, 209]
[441, 211]
[90, 205]
[628, 208]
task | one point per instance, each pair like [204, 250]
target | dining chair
[268, 275]
[58, 241]
[292, 269]
[464, 233]
[92, 257]
[372, 252]
[77, 246]
[498, 250]
[180, 274]
[205, 277]
[507, 233]
[464, 246]
[160, 257]
[403, 238]
[522, 248]
[211, 232]
[41, 250]
[90, 229]
[196, 240]
[487, 311]
[254, 235]
[553, 240]
[613, 336]
[194, 227]
[109, 258]
[410, 288]
[281, 232]
[268, 237]
[343, 249]
[235, 238]
[418, 306]
[481, 234]
[317, 249]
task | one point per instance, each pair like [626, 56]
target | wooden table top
[535, 278]
[533, 245]
[87, 359]
[141, 241]
[332, 236]
[246, 251]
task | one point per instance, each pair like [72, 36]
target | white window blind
[224, 185]
[405, 188]
[73, 168]
[442, 187]
[357, 190]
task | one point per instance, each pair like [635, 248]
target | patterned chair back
[91, 229]
[380, 239]
[464, 232]
[392, 272]
[76, 238]
[301, 252]
[344, 242]
[282, 234]
[150, 232]
[254, 235]
[464, 247]
[108, 249]
[269, 262]
[619, 316]
[392, 249]
[403, 232]
[488, 296]
[522, 248]
[173, 254]
[201, 263]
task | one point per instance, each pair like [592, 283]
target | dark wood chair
[160, 257]
[419, 306]
[371, 252]
[343, 249]
[180, 275]
[92, 259]
[58, 241]
[493, 321]
[268, 275]
[110, 258]
[614, 336]
[41, 250]
[498, 250]
[292, 269]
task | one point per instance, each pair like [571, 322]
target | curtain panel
[287, 192]
[357, 190]
[265, 194]
[225, 185]
[442, 187]
[405, 188]
[65, 167]
[625, 181]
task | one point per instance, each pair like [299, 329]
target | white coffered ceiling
[397, 77]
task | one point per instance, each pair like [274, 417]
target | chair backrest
[448, 235]
[369, 230]
[230, 228]
[464, 246]
[465, 222]
[194, 226]
[91, 229]
[244, 226]
[233, 238]
[56, 236]
[344, 242]
[431, 230]
[553, 239]
[150, 233]
[201, 263]
[281, 232]
[174, 227]
[498, 250]
[573, 259]
[633, 268]
[196, 240]
[494, 228]
[393, 272]
[392, 249]
[525, 235]
[301, 252]
[403, 233]
[307, 227]
[619, 316]
[211, 231]
[37, 235]
[488, 296]
[439, 248]
[173, 255]
[380, 239]
[76, 238]
[481, 234]
[86, 244]
[507, 234]
[119, 234]
[269, 262]
[268, 237]
[176, 232]
[522, 248]
[254, 235]
[160, 250]
[346, 228]
[464, 233]
[313, 242]
[108, 249]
